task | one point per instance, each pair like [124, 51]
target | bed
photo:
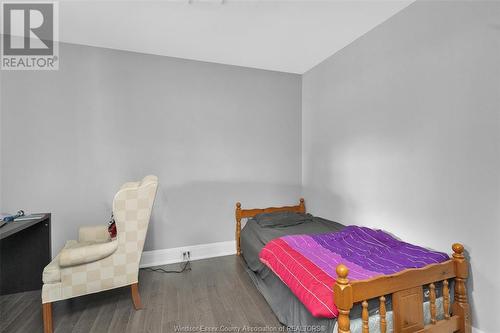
[432, 298]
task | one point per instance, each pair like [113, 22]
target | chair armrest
[95, 233]
[77, 253]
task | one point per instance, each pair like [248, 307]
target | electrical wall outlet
[186, 255]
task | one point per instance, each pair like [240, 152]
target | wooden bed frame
[406, 288]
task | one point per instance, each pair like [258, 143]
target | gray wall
[401, 131]
[1, 136]
[214, 134]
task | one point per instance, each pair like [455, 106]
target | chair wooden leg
[136, 298]
[47, 317]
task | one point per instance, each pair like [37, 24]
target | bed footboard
[406, 289]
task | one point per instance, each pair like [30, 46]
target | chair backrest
[132, 208]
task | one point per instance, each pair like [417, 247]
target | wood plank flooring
[215, 292]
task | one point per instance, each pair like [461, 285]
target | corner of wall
[1, 149]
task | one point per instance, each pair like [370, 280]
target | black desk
[25, 249]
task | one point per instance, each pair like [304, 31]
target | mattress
[286, 306]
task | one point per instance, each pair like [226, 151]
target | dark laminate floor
[215, 292]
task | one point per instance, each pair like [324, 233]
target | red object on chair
[112, 228]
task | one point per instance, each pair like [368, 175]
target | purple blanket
[307, 263]
[376, 250]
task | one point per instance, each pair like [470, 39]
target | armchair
[95, 262]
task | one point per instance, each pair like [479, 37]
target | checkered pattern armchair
[95, 262]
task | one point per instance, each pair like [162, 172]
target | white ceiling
[288, 36]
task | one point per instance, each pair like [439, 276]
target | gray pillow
[281, 219]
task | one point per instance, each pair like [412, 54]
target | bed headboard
[249, 213]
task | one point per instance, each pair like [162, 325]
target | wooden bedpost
[460, 305]
[342, 292]
[238, 228]
[302, 206]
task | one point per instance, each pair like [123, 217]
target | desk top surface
[12, 227]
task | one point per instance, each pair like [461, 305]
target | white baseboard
[174, 255]
[476, 330]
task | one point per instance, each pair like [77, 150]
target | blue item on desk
[13, 217]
